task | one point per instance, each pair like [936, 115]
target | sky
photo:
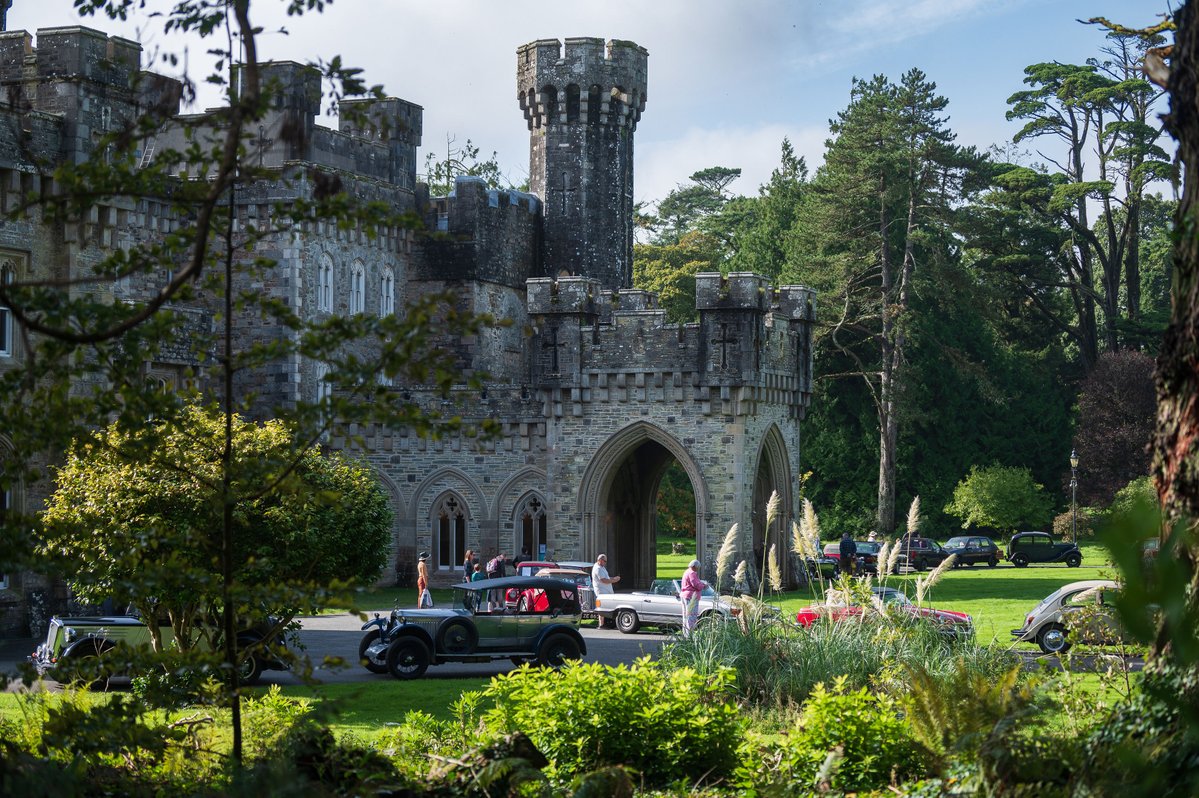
[728, 79]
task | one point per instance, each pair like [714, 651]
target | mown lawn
[997, 598]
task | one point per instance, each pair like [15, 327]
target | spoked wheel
[407, 658]
[556, 650]
[249, 668]
[372, 653]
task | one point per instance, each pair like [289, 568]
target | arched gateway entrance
[617, 499]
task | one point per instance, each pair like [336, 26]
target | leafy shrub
[845, 740]
[667, 724]
[268, 720]
[1150, 745]
[997, 497]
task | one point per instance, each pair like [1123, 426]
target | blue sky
[728, 79]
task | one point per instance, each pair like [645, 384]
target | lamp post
[1073, 496]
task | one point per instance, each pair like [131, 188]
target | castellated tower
[582, 104]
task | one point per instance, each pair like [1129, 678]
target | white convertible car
[658, 606]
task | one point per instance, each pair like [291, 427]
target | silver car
[658, 606]
[1081, 607]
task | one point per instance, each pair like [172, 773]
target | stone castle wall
[586, 379]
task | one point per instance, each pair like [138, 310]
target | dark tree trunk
[1176, 437]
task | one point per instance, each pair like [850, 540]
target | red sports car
[888, 599]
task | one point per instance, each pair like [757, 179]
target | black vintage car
[540, 626]
[971, 549]
[1028, 547]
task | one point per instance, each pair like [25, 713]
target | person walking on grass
[691, 589]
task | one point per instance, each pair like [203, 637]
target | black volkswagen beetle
[542, 627]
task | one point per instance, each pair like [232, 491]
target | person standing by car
[849, 554]
[468, 565]
[601, 582]
[478, 575]
[690, 590]
[424, 598]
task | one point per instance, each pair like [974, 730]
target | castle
[594, 406]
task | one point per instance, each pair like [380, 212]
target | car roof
[1085, 584]
[505, 582]
[544, 572]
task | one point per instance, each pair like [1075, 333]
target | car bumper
[1021, 635]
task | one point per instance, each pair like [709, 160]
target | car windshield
[893, 597]
[866, 547]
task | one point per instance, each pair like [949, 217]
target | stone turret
[582, 104]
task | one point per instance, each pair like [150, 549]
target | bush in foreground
[669, 725]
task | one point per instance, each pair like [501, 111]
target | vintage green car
[540, 625]
[74, 639]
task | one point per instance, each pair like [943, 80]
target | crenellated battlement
[736, 291]
[548, 295]
[589, 82]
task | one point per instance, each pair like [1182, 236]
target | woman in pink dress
[690, 591]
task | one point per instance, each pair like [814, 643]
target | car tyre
[556, 649]
[991, 563]
[1073, 560]
[1052, 639]
[379, 663]
[1020, 560]
[627, 622]
[407, 658]
[99, 685]
[457, 636]
[249, 669]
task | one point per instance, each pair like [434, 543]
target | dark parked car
[973, 548]
[1026, 547]
[867, 557]
[480, 627]
[922, 553]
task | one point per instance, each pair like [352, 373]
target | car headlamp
[68, 633]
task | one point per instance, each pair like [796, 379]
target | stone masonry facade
[596, 393]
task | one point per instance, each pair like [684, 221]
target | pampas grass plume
[773, 571]
[724, 557]
[924, 585]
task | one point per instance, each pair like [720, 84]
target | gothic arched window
[324, 285]
[531, 526]
[387, 294]
[357, 287]
[449, 533]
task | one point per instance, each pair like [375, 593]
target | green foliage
[269, 718]
[440, 173]
[669, 271]
[668, 724]
[956, 713]
[1149, 745]
[846, 740]
[1000, 498]
[135, 510]
[676, 504]
[1137, 493]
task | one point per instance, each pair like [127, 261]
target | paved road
[339, 635]
[327, 638]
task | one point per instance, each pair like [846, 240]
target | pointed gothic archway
[617, 499]
[773, 474]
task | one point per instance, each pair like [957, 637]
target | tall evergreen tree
[891, 177]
